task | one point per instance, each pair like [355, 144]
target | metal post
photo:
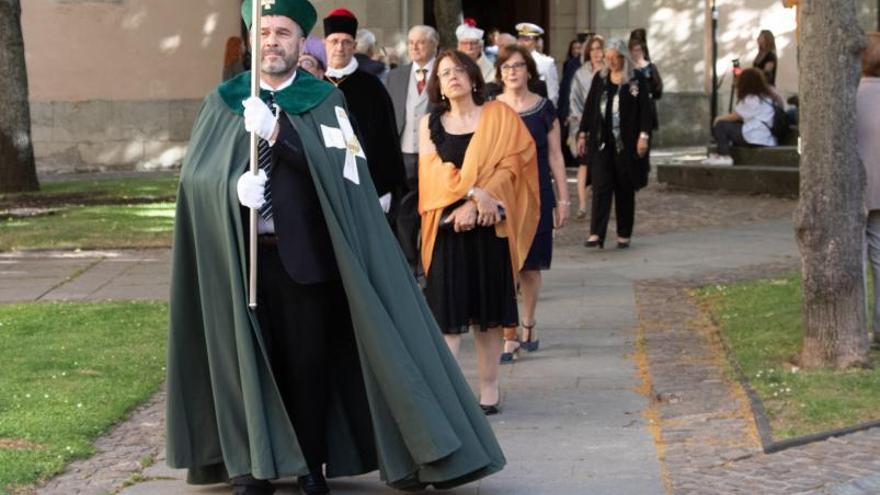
[256, 58]
[714, 104]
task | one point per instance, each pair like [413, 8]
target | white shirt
[757, 115]
[547, 71]
[345, 71]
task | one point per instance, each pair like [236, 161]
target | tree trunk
[448, 16]
[17, 169]
[830, 217]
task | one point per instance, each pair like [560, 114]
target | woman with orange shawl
[480, 206]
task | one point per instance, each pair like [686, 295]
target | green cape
[304, 94]
[225, 416]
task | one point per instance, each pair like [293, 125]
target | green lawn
[762, 323]
[92, 227]
[69, 371]
[148, 186]
[133, 212]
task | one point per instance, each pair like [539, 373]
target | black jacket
[303, 240]
[636, 116]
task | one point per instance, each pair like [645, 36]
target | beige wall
[125, 49]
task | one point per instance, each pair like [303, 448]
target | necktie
[265, 162]
[420, 80]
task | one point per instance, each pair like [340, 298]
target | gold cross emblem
[353, 146]
[267, 4]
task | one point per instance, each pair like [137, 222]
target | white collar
[285, 84]
[428, 66]
[345, 71]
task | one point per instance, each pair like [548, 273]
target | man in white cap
[470, 41]
[528, 35]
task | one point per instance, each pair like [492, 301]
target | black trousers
[408, 219]
[727, 133]
[612, 181]
[311, 346]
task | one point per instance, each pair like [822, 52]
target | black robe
[372, 113]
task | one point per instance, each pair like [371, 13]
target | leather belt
[267, 239]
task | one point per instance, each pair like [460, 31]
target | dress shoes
[313, 484]
[248, 485]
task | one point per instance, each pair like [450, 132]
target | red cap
[341, 13]
[470, 21]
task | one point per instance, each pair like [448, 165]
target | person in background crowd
[528, 36]
[479, 200]
[470, 42]
[492, 44]
[313, 58]
[407, 86]
[515, 67]
[593, 62]
[369, 105]
[647, 70]
[571, 65]
[617, 120]
[751, 121]
[868, 130]
[766, 60]
[366, 54]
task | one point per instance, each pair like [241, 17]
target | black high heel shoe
[530, 344]
[600, 243]
[491, 409]
[623, 244]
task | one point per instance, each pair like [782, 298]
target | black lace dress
[470, 281]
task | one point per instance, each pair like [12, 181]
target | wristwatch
[471, 192]
[644, 135]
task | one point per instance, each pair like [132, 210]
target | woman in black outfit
[766, 59]
[617, 120]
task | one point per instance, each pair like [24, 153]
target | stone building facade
[116, 84]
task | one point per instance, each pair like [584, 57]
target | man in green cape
[341, 370]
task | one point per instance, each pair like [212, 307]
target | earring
[442, 96]
[474, 89]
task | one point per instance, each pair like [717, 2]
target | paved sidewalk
[572, 419]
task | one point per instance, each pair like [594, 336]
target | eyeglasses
[511, 67]
[447, 73]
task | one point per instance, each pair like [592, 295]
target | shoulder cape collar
[304, 94]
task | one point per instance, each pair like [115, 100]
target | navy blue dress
[539, 119]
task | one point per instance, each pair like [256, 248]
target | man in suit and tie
[407, 85]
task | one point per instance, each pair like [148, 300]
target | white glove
[259, 118]
[385, 202]
[252, 189]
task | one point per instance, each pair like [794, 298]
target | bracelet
[564, 203]
[644, 135]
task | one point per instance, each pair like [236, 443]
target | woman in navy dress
[514, 68]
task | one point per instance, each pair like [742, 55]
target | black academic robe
[372, 113]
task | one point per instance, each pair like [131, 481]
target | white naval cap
[467, 32]
[529, 29]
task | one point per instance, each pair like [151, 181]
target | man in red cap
[369, 106]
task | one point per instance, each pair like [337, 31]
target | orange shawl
[501, 159]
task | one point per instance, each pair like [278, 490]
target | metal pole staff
[256, 58]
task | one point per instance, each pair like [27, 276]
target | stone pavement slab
[84, 275]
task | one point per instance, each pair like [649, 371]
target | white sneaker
[718, 160]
